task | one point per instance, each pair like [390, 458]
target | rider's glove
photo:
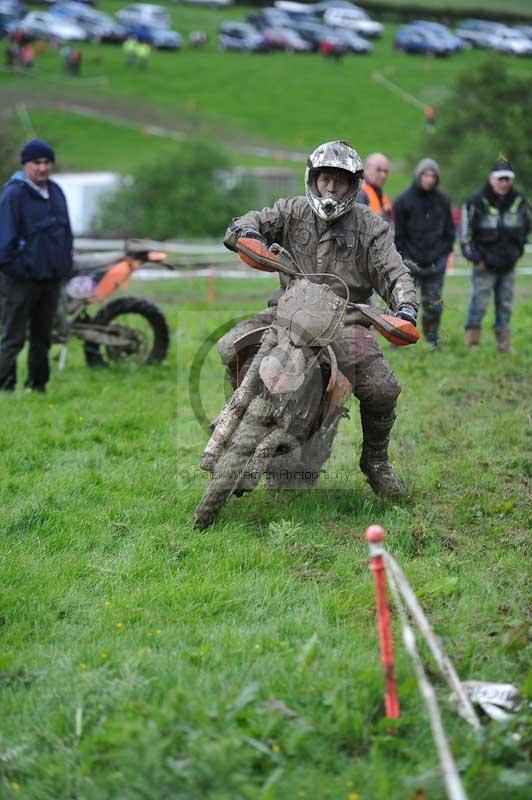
[250, 233]
[407, 312]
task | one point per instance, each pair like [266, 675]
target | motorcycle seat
[89, 262]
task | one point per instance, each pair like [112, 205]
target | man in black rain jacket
[424, 235]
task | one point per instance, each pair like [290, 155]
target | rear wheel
[140, 329]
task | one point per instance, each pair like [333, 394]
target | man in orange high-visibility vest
[376, 171]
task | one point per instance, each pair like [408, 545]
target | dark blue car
[417, 39]
[455, 43]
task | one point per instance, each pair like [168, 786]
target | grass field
[280, 100]
[140, 659]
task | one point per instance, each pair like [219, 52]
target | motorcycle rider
[328, 232]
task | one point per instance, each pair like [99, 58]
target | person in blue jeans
[424, 236]
[496, 221]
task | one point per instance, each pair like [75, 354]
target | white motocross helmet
[332, 155]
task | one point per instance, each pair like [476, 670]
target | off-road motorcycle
[283, 416]
[125, 330]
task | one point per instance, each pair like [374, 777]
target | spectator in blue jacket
[35, 257]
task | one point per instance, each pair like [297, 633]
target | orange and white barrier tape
[404, 598]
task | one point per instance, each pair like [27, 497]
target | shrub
[487, 114]
[185, 195]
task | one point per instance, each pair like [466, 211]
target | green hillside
[281, 100]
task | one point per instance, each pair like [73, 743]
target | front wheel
[141, 331]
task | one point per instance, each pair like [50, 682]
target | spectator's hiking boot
[374, 459]
[472, 338]
[503, 341]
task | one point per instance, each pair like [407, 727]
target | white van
[143, 14]
[355, 19]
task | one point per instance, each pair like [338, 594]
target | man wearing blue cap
[35, 257]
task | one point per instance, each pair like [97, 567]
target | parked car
[512, 42]
[353, 42]
[292, 7]
[316, 34]
[99, 27]
[158, 38]
[415, 39]
[321, 7]
[526, 30]
[209, 3]
[43, 25]
[242, 37]
[144, 14]
[312, 31]
[269, 18]
[479, 32]
[10, 13]
[354, 19]
[285, 39]
[11, 7]
[455, 43]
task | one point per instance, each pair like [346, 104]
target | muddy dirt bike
[283, 416]
[126, 330]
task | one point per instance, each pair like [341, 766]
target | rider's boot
[374, 459]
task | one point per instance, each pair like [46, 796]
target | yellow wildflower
[119, 624]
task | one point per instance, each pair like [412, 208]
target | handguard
[255, 254]
[395, 330]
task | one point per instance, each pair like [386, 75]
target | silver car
[513, 42]
[138, 14]
[42, 25]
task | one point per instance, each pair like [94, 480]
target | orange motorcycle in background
[125, 330]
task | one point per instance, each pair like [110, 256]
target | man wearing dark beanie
[35, 257]
[496, 220]
[424, 235]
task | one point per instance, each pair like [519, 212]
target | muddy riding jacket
[376, 199]
[494, 228]
[358, 248]
[35, 234]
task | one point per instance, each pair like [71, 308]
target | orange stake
[375, 536]
[211, 284]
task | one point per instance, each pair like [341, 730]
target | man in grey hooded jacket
[328, 232]
[424, 234]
